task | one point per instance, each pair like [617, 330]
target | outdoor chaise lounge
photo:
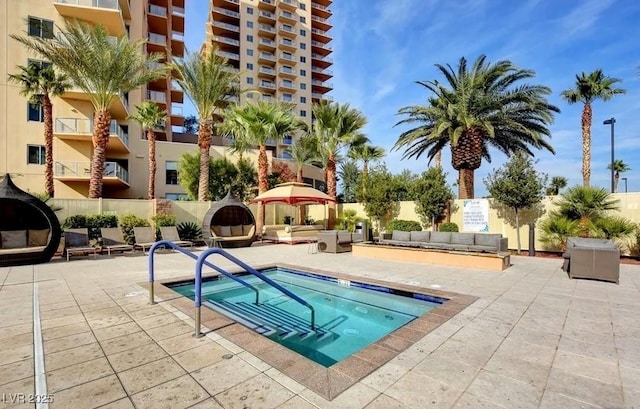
[170, 233]
[145, 237]
[229, 223]
[592, 258]
[112, 239]
[76, 241]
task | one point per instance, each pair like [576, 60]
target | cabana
[29, 230]
[229, 223]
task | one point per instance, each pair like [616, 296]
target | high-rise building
[280, 47]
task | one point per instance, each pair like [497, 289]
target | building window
[303, 86]
[176, 196]
[303, 19]
[287, 55]
[250, 38]
[287, 69]
[249, 52]
[303, 46]
[303, 113]
[40, 28]
[303, 100]
[249, 80]
[303, 32]
[287, 83]
[171, 172]
[302, 6]
[303, 59]
[303, 73]
[249, 66]
[287, 97]
[249, 10]
[249, 24]
[35, 154]
[35, 113]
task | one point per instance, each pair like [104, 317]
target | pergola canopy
[293, 193]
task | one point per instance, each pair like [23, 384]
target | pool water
[349, 315]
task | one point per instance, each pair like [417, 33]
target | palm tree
[39, 84]
[483, 107]
[233, 129]
[366, 154]
[336, 127]
[102, 68]
[557, 183]
[210, 84]
[349, 176]
[302, 153]
[618, 167]
[150, 116]
[586, 205]
[259, 123]
[588, 88]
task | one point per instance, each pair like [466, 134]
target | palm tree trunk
[587, 114]
[204, 142]
[151, 139]
[438, 159]
[263, 184]
[48, 145]
[301, 208]
[101, 120]
[331, 189]
[616, 179]
[465, 184]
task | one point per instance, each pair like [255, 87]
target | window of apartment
[287, 55]
[249, 66]
[303, 73]
[303, 59]
[175, 196]
[303, 85]
[303, 32]
[250, 38]
[249, 10]
[303, 100]
[171, 173]
[303, 46]
[303, 19]
[249, 24]
[302, 6]
[249, 80]
[35, 154]
[35, 113]
[287, 97]
[303, 113]
[249, 52]
[287, 69]
[287, 83]
[40, 28]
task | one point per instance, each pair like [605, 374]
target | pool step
[268, 320]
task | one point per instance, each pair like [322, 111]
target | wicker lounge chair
[170, 233]
[76, 241]
[145, 237]
[112, 239]
[597, 259]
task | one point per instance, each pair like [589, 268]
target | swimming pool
[350, 315]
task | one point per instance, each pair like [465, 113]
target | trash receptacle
[365, 230]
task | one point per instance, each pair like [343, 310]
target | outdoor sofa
[453, 241]
[241, 235]
[592, 258]
[334, 241]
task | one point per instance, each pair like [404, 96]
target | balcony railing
[321, 71]
[317, 95]
[157, 96]
[175, 35]
[176, 109]
[322, 83]
[268, 56]
[320, 6]
[177, 10]
[228, 55]
[226, 40]
[226, 12]
[157, 39]
[267, 28]
[157, 10]
[266, 84]
[268, 14]
[287, 42]
[287, 70]
[320, 19]
[322, 58]
[287, 84]
[81, 126]
[101, 4]
[321, 45]
[288, 29]
[287, 57]
[226, 26]
[321, 32]
[291, 2]
[268, 70]
[83, 170]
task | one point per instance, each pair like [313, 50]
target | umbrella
[293, 193]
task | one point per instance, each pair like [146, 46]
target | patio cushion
[401, 235]
[216, 230]
[420, 236]
[246, 229]
[13, 239]
[462, 238]
[440, 237]
[225, 231]
[483, 239]
[236, 230]
[38, 237]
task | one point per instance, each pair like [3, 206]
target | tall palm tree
[102, 68]
[302, 153]
[39, 83]
[150, 116]
[210, 84]
[366, 154]
[336, 127]
[588, 88]
[618, 167]
[585, 204]
[261, 122]
[481, 107]
[557, 183]
[233, 128]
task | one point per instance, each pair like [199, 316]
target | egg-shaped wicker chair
[29, 230]
[229, 223]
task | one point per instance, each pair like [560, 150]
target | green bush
[449, 227]
[78, 221]
[348, 220]
[93, 223]
[162, 220]
[128, 222]
[404, 225]
[190, 231]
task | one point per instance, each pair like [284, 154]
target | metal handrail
[174, 246]
[198, 284]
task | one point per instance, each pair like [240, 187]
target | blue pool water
[349, 315]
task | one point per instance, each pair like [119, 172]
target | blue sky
[382, 47]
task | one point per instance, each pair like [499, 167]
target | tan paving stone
[385, 402]
[469, 401]
[262, 390]
[178, 393]
[15, 371]
[224, 374]
[182, 343]
[90, 395]
[533, 373]
[157, 321]
[15, 330]
[382, 378]
[136, 357]
[124, 403]
[109, 321]
[512, 393]
[73, 375]
[103, 334]
[18, 392]
[585, 389]
[589, 367]
[415, 389]
[207, 404]
[17, 341]
[125, 342]
[62, 321]
[553, 400]
[169, 331]
[19, 353]
[453, 373]
[298, 403]
[146, 376]
[65, 330]
[59, 313]
[201, 356]
[68, 342]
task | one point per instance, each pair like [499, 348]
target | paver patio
[533, 339]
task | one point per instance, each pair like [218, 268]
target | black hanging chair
[232, 216]
[29, 230]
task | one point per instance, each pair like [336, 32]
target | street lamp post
[611, 121]
[625, 184]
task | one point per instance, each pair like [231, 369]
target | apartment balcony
[157, 96]
[320, 35]
[266, 58]
[266, 17]
[321, 74]
[287, 17]
[226, 40]
[288, 44]
[119, 108]
[318, 96]
[81, 129]
[177, 11]
[287, 31]
[231, 69]
[110, 13]
[321, 86]
[267, 98]
[321, 61]
[156, 42]
[287, 86]
[177, 94]
[227, 3]
[290, 5]
[288, 72]
[286, 99]
[320, 48]
[220, 28]
[177, 43]
[269, 5]
[287, 58]
[321, 23]
[267, 72]
[319, 8]
[71, 171]
[287, 140]
[229, 56]
[267, 86]
[266, 44]
[266, 30]
[177, 114]
[225, 15]
[157, 19]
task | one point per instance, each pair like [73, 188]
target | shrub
[348, 220]
[404, 225]
[128, 222]
[78, 221]
[161, 220]
[449, 227]
[556, 230]
[190, 231]
[93, 223]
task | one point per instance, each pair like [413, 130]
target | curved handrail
[174, 246]
[198, 284]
